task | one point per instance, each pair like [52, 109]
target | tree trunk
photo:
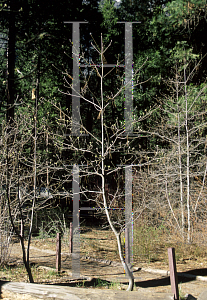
[128, 272]
[11, 63]
[187, 159]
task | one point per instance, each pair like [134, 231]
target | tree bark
[11, 63]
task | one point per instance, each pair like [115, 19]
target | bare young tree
[21, 167]
[179, 162]
[95, 152]
[6, 231]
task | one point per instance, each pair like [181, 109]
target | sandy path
[107, 271]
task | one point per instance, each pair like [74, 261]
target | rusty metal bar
[173, 273]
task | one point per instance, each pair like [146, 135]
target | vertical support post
[128, 109]
[76, 227]
[173, 273]
[58, 253]
[76, 80]
[127, 247]
[128, 213]
[71, 238]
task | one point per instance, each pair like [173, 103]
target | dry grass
[150, 248]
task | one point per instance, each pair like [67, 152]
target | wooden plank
[173, 273]
[38, 291]
[58, 253]
[41, 291]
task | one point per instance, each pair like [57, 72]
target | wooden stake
[173, 273]
[58, 252]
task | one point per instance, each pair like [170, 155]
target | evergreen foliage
[169, 33]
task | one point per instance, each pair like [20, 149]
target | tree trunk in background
[11, 62]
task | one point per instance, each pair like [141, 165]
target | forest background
[168, 149]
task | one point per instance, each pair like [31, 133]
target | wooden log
[58, 252]
[173, 273]
[41, 291]
[167, 273]
[154, 271]
[46, 268]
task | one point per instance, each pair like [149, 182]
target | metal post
[71, 238]
[128, 214]
[58, 252]
[128, 110]
[76, 81]
[128, 107]
[76, 229]
[173, 273]
[75, 78]
[127, 248]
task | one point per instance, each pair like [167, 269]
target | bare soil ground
[98, 252]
